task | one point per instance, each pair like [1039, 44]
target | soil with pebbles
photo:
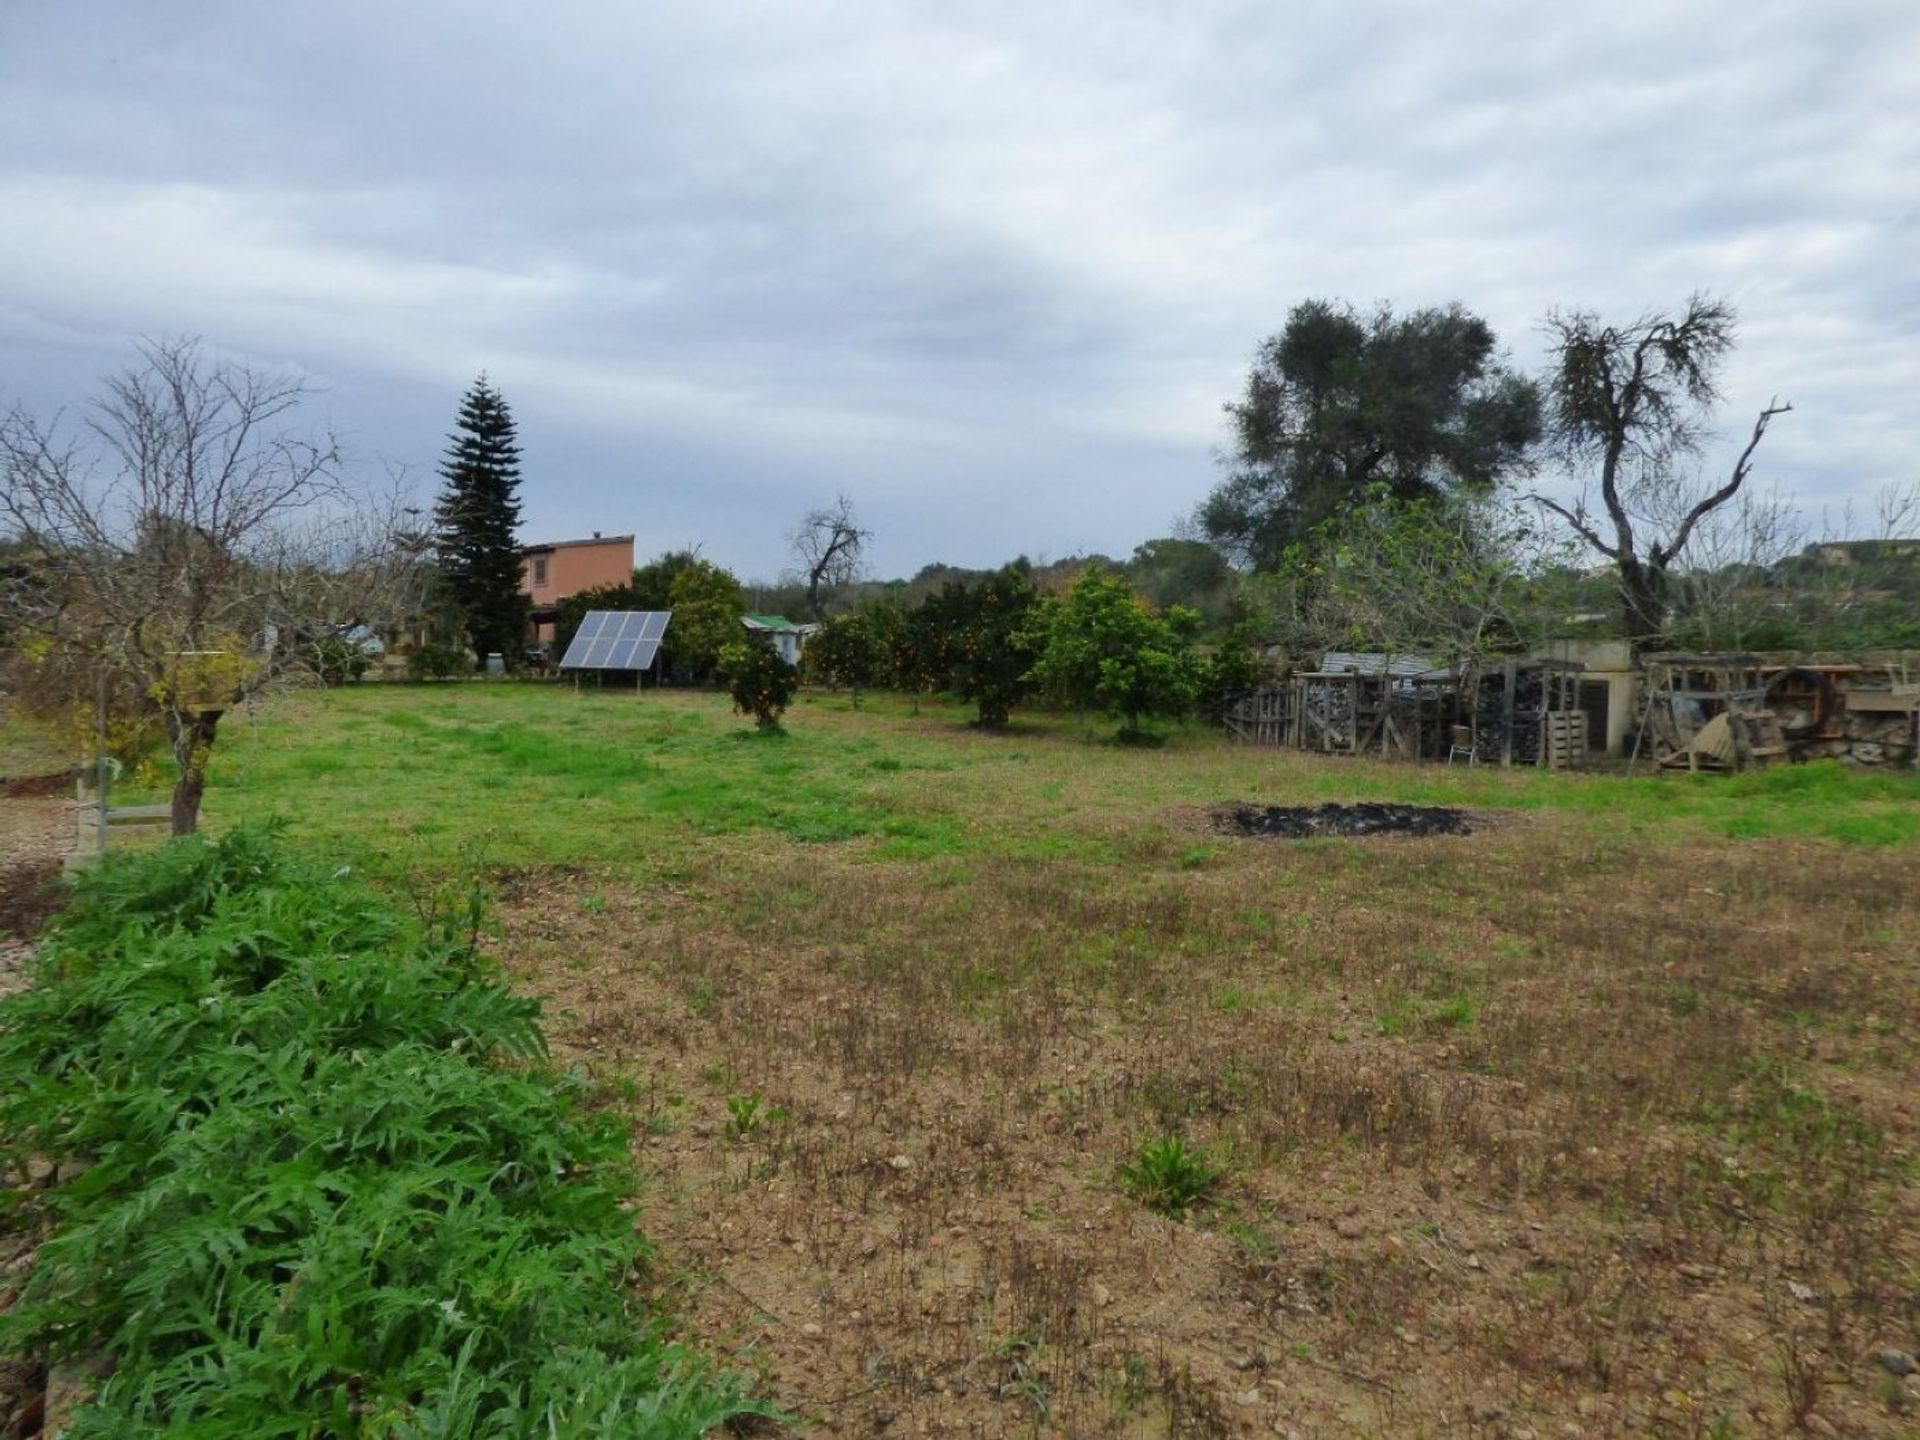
[1305, 822]
[35, 832]
[36, 828]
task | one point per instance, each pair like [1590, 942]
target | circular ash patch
[1303, 822]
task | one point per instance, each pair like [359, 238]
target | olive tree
[1340, 406]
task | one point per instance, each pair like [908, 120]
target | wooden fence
[1261, 718]
[103, 825]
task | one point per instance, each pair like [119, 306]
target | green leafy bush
[1231, 673]
[329, 1189]
[761, 683]
[438, 662]
[1104, 648]
[1170, 1176]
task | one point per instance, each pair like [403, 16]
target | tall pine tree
[477, 520]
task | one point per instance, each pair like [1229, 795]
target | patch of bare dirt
[29, 894]
[22, 787]
[34, 833]
[35, 830]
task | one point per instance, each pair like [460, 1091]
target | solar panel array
[617, 640]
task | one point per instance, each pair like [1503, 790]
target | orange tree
[849, 650]
[1105, 648]
[976, 640]
[761, 683]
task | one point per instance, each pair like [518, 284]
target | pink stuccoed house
[551, 572]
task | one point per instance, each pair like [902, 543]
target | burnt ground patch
[1304, 822]
[23, 786]
[30, 892]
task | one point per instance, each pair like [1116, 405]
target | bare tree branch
[1577, 521]
[193, 549]
[1742, 469]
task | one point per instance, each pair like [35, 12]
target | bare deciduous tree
[188, 541]
[1726, 591]
[828, 547]
[1858, 583]
[1630, 405]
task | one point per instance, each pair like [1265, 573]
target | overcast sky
[990, 269]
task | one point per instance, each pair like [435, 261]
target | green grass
[1404, 1014]
[525, 774]
[1170, 1176]
[28, 749]
[541, 774]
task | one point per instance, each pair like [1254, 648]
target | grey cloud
[990, 268]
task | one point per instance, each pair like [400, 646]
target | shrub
[438, 662]
[337, 660]
[329, 1190]
[1170, 1176]
[761, 683]
[1229, 674]
[1104, 648]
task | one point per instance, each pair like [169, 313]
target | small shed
[789, 639]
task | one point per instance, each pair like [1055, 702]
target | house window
[539, 570]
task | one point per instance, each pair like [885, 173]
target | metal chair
[1462, 745]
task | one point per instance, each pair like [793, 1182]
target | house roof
[569, 544]
[768, 622]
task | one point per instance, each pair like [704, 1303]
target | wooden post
[100, 765]
[1506, 718]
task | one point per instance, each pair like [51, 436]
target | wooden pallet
[1757, 739]
[1260, 718]
[1563, 739]
[1711, 748]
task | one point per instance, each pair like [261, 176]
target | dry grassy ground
[1593, 1122]
[1652, 1173]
